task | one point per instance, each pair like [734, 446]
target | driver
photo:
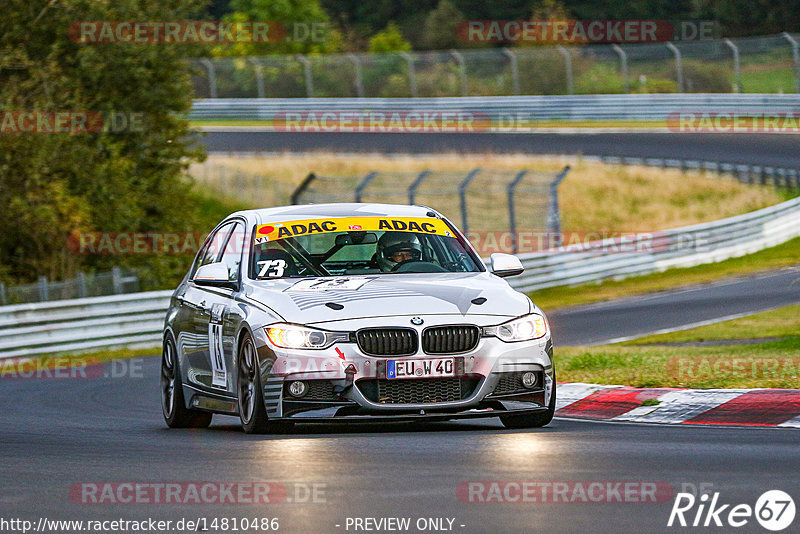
[395, 248]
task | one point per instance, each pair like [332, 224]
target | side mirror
[213, 275]
[506, 265]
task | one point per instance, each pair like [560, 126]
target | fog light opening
[529, 380]
[298, 389]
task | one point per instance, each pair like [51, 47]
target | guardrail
[506, 113]
[681, 247]
[134, 319]
[779, 177]
[137, 319]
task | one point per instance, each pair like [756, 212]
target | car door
[199, 329]
[224, 316]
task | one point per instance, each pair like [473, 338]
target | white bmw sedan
[350, 313]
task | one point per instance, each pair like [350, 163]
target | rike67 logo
[774, 510]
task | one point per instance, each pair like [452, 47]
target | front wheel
[252, 411]
[173, 405]
[535, 420]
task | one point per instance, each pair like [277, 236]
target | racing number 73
[278, 265]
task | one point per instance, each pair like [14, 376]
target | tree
[389, 40]
[306, 25]
[133, 180]
[439, 30]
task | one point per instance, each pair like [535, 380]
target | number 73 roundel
[271, 268]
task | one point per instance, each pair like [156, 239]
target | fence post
[212, 77]
[512, 57]
[116, 280]
[567, 67]
[259, 70]
[412, 77]
[554, 215]
[623, 66]
[295, 198]
[462, 67]
[412, 189]
[307, 73]
[462, 196]
[737, 72]
[3, 298]
[363, 185]
[512, 221]
[795, 60]
[359, 80]
[81, 283]
[43, 293]
[678, 65]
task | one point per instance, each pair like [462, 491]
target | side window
[212, 247]
[232, 255]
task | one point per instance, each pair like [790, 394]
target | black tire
[252, 411]
[535, 420]
[173, 404]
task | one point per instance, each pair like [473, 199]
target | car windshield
[358, 245]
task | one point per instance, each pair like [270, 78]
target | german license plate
[420, 368]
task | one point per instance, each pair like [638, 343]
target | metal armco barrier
[508, 113]
[137, 319]
[681, 247]
[779, 177]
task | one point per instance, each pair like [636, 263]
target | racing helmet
[393, 242]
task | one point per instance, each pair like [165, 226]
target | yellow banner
[282, 230]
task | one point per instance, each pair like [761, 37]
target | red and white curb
[742, 407]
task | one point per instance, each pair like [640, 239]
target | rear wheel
[252, 411]
[533, 420]
[173, 405]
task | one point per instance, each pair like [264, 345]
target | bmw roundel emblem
[417, 321]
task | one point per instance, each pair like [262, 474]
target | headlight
[291, 336]
[523, 328]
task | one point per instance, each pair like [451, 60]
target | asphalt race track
[60, 433]
[761, 149]
[631, 317]
[57, 435]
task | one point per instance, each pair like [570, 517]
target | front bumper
[349, 374]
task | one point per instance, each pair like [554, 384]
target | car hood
[319, 300]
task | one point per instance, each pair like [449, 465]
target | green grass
[782, 255]
[768, 80]
[783, 322]
[771, 364]
[775, 364]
